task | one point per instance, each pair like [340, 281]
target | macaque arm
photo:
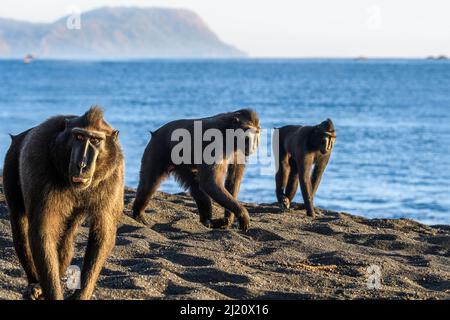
[233, 184]
[316, 176]
[304, 169]
[101, 240]
[211, 181]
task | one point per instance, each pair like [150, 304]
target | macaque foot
[318, 211]
[141, 219]
[222, 223]
[284, 204]
[244, 222]
[302, 206]
[79, 294]
[207, 223]
[33, 292]
[76, 295]
[225, 223]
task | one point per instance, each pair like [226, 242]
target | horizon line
[440, 57]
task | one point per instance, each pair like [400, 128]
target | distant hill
[116, 33]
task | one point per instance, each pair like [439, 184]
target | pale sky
[294, 28]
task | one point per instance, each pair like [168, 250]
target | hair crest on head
[94, 117]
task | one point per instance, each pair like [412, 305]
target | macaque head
[248, 121]
[88, 138]
[323, 136]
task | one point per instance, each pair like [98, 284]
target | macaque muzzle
[253, 138]
[329, 140]
[86, 155]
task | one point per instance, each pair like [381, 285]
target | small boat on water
[28, 58]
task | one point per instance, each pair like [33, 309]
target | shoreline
[282, 256]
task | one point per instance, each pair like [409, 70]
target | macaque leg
[20, 225]
[101, 241]
[292, 184]
[67, 243]
[211, 183]
[204, 204]
[44, 235]
[19, 228]
[304, 169]
[151, 177]
[281, 179]
[232, 185]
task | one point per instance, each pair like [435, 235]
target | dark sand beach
[283, 256]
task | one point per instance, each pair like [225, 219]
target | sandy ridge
[284, 255]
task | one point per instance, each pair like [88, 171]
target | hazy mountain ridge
[116, 33]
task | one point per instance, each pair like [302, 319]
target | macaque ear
[115, 134]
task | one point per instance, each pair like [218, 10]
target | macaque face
[323, 137]
[253, 135]
[327, 142]
[249, 132]
[86, 146]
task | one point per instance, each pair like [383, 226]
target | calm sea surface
[392, 154]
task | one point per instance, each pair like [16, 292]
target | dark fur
[46, 207]
[301, 148]
[204, 181]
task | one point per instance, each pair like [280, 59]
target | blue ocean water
[392, 154]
